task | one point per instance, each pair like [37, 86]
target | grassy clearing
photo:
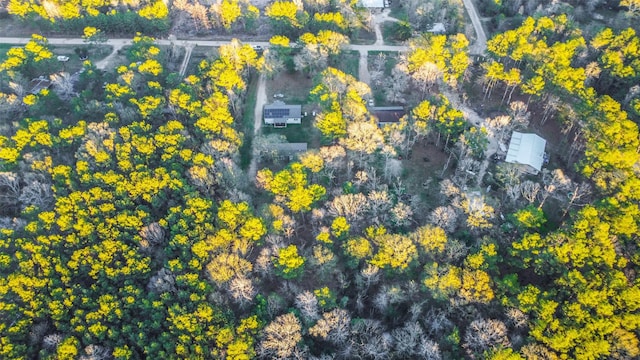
[363, 37]
[294, 86]
[349, 62]
[397, 11]
[390, 33]
[303, 133]
[247, 122]
[96, 53]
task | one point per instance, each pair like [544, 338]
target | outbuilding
[526, 150]
[388, 114]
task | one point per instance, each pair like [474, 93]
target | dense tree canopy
[129, 228]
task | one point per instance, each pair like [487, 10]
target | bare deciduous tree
[363, 138]
[517, 318]
[368, 341]
[153, 233]
[388, 295]
[437, 323]
[333, 327]
[553, 181]
[401, 214]
[9, 188]
[444, 217]
[449, 189]
[455, 250]
[281, 336]
[96, 352]
[483, 335]
[397, 86]
[163, 281]
[369, 275]
[63, 85]
[519, 114]
[407, 340]
[379, 205]
[307, 303]
[242, 290]
[351, 206]
[310, 61]
[51, 341]
[529, 190]
[38, 194]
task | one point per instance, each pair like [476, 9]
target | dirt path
[104, 63]
[363, 65]
[480, 45]
[363, 68]
[185, 62]
[261, 100]
[119, 43]
[379, 19]
[473, 118]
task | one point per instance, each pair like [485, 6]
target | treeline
[149, 17]
[132, 232]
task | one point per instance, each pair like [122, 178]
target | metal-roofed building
[388, 114]
[527, 150]
[280, 114]
[373, 3]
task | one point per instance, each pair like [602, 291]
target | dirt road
[480, 45]
[261, 100]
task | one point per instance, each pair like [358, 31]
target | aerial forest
[144, 216]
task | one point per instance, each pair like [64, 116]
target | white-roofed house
[526, 150]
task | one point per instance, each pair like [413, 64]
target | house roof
[372, 3]
[282, 111]
[388, 114]
[527, 149]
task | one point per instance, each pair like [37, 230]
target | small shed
[527, 150]
[280, 114]
[388, 114]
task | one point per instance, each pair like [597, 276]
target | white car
[371, 103]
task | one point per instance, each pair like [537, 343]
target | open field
[349, 62]
[294, 86]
